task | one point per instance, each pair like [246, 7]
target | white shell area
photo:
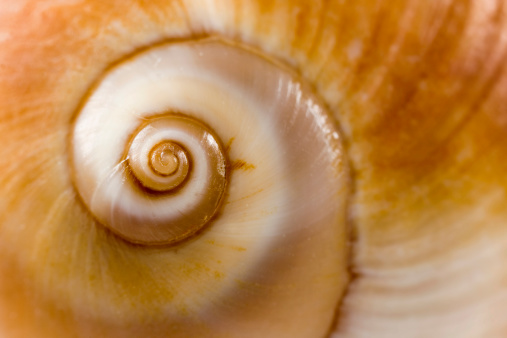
[282, 225]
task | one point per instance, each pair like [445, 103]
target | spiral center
[158, 166]
[164, 160]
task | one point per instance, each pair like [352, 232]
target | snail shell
[215, 186]
[419, 90]
[205, 79]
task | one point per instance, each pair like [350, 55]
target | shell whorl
[232, 159]
[174, 168]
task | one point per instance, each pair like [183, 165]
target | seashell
[414, 181]
[271, 118]
[253, 198]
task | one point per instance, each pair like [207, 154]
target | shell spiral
[227, 168]
[167, 187]
[149, 168]
[114, 224]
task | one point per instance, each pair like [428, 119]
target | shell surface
[255, 219]
[419, 91]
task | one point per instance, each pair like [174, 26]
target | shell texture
[417, 90]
